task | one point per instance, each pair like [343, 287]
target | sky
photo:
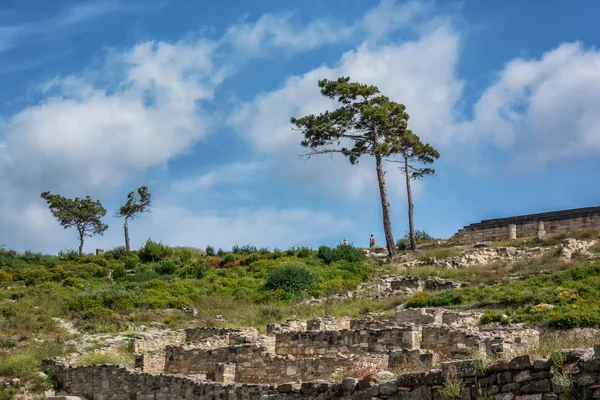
[194, 99]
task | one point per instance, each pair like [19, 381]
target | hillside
[70, 305]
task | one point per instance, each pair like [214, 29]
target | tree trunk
[411, 225]
[385, 205]
[126, 229]
[81, 239]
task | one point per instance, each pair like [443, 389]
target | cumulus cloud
[542, 110]
[420, 74]
[90, 136]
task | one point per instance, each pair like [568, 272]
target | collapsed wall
[522, 377]
[528, 225]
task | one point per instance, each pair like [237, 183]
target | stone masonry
[522, 377]
[529, 225]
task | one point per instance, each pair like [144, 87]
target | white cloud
[420, 74]
[542, 110]
[277, 31]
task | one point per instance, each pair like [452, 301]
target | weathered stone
[285, 388]
[504, 396]
[349, 385]
[504, 377]
[388, 388]
[462, 368]
[411, 379]
[597, 351]
[511, 387]
[523, 376]
[538, 396]
[434, 377]
[592, 365]
[542, 365]
[536, 386]
[521, 362]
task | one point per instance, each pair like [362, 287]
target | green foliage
[152, 251]
[136, 204]
[304, 252]
[572, 296]
[166, 267]
[186, 255]
[494, 316]
[210, 251]
[246, 249]
[85, 215]
[341, 252]
[228, 258]
[291, 277]
[118, 253]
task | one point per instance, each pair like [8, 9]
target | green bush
[119, 272]
[303, 252]
[291, 277]
[186, 255]
[166, 267]
[228, 258]
[246, 249]
[153, 252]
[210, 251]
[341, 252]
[494, 316]
[118, 253]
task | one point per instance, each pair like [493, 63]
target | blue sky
[193, 99]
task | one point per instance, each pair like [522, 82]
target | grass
[107, 358]
[572, 293]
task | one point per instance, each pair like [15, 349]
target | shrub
[152, 251]
[252, 258]
[228, 258]
[119, 272]
[494, 316]
[210, 251]
[341, 252]
[246, 249]
[118, 253]
[19, 365]
[220, 252]
[5, 276]
[304, 252]
[166, 267]
[186, 255]
[291, 277]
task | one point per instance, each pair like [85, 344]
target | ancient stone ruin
[413, 354]
[532, 225]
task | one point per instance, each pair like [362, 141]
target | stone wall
[201, 334]
[321, 343]
[254, 364]
[527, 225]
[150, 351]
[523, 378]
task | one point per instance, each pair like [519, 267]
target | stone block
[542, 365]
[462, 368]
[537, 386]
[521, 362]
[411, 379]
[597, 351]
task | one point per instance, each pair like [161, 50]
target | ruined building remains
[532, 225]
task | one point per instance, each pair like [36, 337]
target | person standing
[372, 242]
[345, 242]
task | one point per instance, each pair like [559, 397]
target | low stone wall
[150, 351]
[200, 334]
[436, 316]
[254, 364]
[521, 378]
[291, 325]
[527, 225]
[451, 342]
[307, 344]
[328, 324]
